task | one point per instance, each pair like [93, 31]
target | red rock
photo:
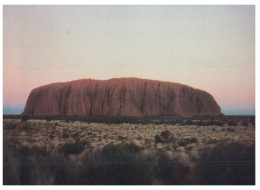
[120, 97]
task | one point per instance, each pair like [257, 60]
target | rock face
[120, 97]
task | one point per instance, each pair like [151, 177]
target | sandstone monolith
[120, 97]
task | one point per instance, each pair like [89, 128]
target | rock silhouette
[120, 97]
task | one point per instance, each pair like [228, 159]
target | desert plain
[159, 152]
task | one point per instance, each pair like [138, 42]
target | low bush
[122, 164]
[65, 135]
[184, 142]
[226, 164]
[188, 122]
[49, 118]
[31, 166]
[165, 137]
[157, 139]
[252, 120]
[232, 123]
[73, 148]
[172, 171]
[209, 123]
[75, 135]
[24, 119]
[126, 164]
[230, 129]
[245, 123]
[166, 134]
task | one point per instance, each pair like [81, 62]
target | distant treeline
[201, 120]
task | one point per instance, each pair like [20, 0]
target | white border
[137, 2]
[129, 2]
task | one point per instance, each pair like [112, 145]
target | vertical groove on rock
[143, 98]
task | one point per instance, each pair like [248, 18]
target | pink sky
[207, 47]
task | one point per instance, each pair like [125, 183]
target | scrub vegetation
[161, 152]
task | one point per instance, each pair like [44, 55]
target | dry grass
[173, 151]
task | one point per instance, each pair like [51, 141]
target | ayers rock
[120, 97]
